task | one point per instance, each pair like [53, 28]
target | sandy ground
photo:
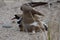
[7, 12]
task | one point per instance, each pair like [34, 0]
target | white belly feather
[34, 23]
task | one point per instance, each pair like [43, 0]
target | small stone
[7, 25]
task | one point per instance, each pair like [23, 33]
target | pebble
[7, 25]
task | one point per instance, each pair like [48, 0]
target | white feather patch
[33, 31]
[34, 23]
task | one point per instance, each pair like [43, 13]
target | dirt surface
[9, 30]
[7, 11]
